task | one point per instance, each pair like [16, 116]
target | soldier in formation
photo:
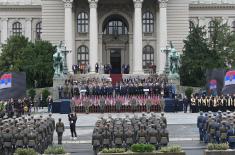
[217, 127]
[60, 131]
[26, 132]
[120, 132]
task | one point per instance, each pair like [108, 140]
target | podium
[61, 106]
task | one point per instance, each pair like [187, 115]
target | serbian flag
[213, 84]
[5, 81]
[229, 78]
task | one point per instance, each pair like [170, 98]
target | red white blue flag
[213, 84]
[229, 78]
[5, 81]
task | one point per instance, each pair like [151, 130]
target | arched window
[38, 30]
[191, 25]
[116, 27]
[148, 56]
[233, 27]
[83, 55]
[211, 28]
[148, 22]
[83, 22]
[17, 28]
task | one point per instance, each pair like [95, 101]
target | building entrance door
[115, 60]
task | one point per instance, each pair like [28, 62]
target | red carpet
[116, 78]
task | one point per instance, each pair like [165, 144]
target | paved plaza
[182, 129]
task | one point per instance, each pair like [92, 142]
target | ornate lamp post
[167, 50]
[65, 52]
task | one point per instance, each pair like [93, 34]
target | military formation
[140, 103]
[26, 132]
[118, 132]
[217, 127]
[212, 103]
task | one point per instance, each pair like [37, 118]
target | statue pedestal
[174, 80]
[57, 81]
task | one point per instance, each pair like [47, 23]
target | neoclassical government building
[115, 32]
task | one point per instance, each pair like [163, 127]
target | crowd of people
[26, 132]
[81, 69]
[99, 68]
[123, 132]
[16, 107]
[213, 103]
[152, 85]
[217, 127]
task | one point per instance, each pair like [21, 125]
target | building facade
[133, 32]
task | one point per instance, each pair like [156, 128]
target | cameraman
[72, 120]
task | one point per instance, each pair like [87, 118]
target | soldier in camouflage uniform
[7, 142]
[60, 130]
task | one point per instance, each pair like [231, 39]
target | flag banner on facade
[6, 81]
[213, 84]
[229, 78]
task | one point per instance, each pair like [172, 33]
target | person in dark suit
[50, 102]
[96, 67]
[72, 120]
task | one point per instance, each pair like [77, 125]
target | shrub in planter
[223, 146]
[21, 151]
[149, 148]
[54, 150]
[171, 149]
[113, 150]
[142, 148]
[137, 148]
[219, 149]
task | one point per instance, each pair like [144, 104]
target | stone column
[93, 35]
[68, 32]
[28, 29]
[162, 34]
[4, 29]
[137, 38]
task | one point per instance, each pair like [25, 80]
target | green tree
[201, 54]
[38, 63]
[219, 43]
[32, 93]
[13, 53]
[36, 59]
[195, 57]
